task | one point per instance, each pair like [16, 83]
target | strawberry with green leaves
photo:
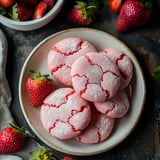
[21, 12]
[12, 139]
[42, 154]
[133, 14]
[38, 86]
[81, 14]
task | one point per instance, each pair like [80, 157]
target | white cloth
[5, 101]
[9, 157]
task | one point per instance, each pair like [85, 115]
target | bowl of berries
[26, 15]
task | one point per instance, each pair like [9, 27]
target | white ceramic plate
[37, 60]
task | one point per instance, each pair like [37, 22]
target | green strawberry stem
[98, 3]
[34, 75]
[21, 130]
[2, 11]
[13, 13]
[156, 74]
[86, 11]
[42, 154]
[147, 3]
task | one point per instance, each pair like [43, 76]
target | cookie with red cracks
[116, 107]
[99, 128]
[62, 56]
[124, 64]
[65, 114]
[95, 77]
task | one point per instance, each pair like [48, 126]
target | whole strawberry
[21, 12]
[42, 154]
[38, 86]
[81, 14]
[12, 139]
[133, 14]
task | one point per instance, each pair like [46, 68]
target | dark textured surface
[143, 142]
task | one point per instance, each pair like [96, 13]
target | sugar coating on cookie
[124, 64]
[98, 130]
[65, 114]
[115, 107]
[62, 56]
[95, 77]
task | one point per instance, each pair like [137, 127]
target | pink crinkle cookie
[95, 77]
[65, 114]
[115, 107]
[62, 56]
[124, 64]
[98, 130]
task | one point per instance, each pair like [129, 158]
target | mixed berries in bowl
[28, 15]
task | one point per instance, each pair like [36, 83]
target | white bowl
[37, 60]
[33, 24]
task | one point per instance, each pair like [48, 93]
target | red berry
[133, 14]
[40, 10]
[115, 5]
[81, 14]
[22, 12]
[12, 139]
[6, 3]
[38, 86]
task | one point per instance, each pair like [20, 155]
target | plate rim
[30, 124]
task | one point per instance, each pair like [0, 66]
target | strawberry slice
[40, 10]
[115, 5]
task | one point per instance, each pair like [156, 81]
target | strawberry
[21, 12]
[6, 3]
[50, 3]
[42, 154]
[133, 14]
[115, 5]
[81, 14]
[67, 158]
[12, 139]
[39, 10]
[38, 86]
